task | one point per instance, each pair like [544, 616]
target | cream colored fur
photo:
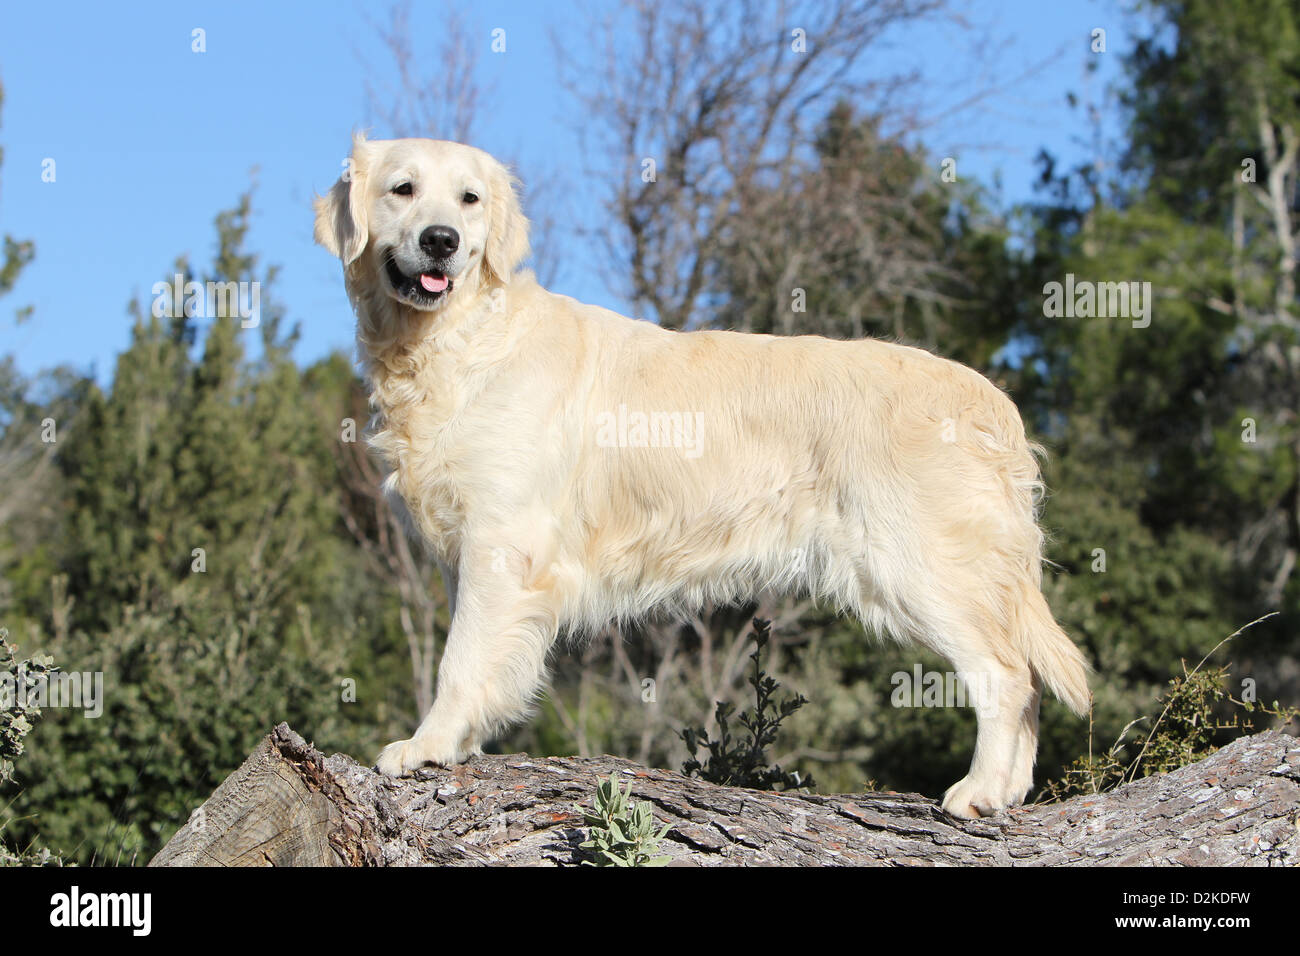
[890, 483]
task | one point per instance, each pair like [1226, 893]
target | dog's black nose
[440, 241]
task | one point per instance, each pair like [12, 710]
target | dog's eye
[403, 189]
[469, 198]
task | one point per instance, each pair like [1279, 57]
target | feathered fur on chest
[428, 395]
[420, 408]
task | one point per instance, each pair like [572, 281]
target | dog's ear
[341, 214]
[507, 238]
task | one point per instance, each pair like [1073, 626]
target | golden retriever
[570, 466]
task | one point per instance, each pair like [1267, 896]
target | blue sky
[152, 140]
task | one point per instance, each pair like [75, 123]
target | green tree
[201, 572]
[1174, 444]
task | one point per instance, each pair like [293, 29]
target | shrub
[744, 763]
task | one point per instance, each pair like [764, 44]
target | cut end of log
[290, 805]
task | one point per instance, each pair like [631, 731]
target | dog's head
[424, 220]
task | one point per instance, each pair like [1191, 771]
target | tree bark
[289, 805]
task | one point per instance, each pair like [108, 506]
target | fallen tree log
[289, 805]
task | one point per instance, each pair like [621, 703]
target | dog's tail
[1055, 658]
[1051, 654]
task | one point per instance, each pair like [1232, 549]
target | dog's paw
[403, 756]
[391, 761]
[971, 799]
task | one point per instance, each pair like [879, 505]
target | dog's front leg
[491, 669]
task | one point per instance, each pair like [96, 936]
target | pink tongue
[433, 283]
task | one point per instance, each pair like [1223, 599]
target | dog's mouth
[422, 288]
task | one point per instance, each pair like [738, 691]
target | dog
[569, 466]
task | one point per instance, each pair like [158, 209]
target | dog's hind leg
[955, 615]
[1028, 652]
[1002, 768]
[1002, 691]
